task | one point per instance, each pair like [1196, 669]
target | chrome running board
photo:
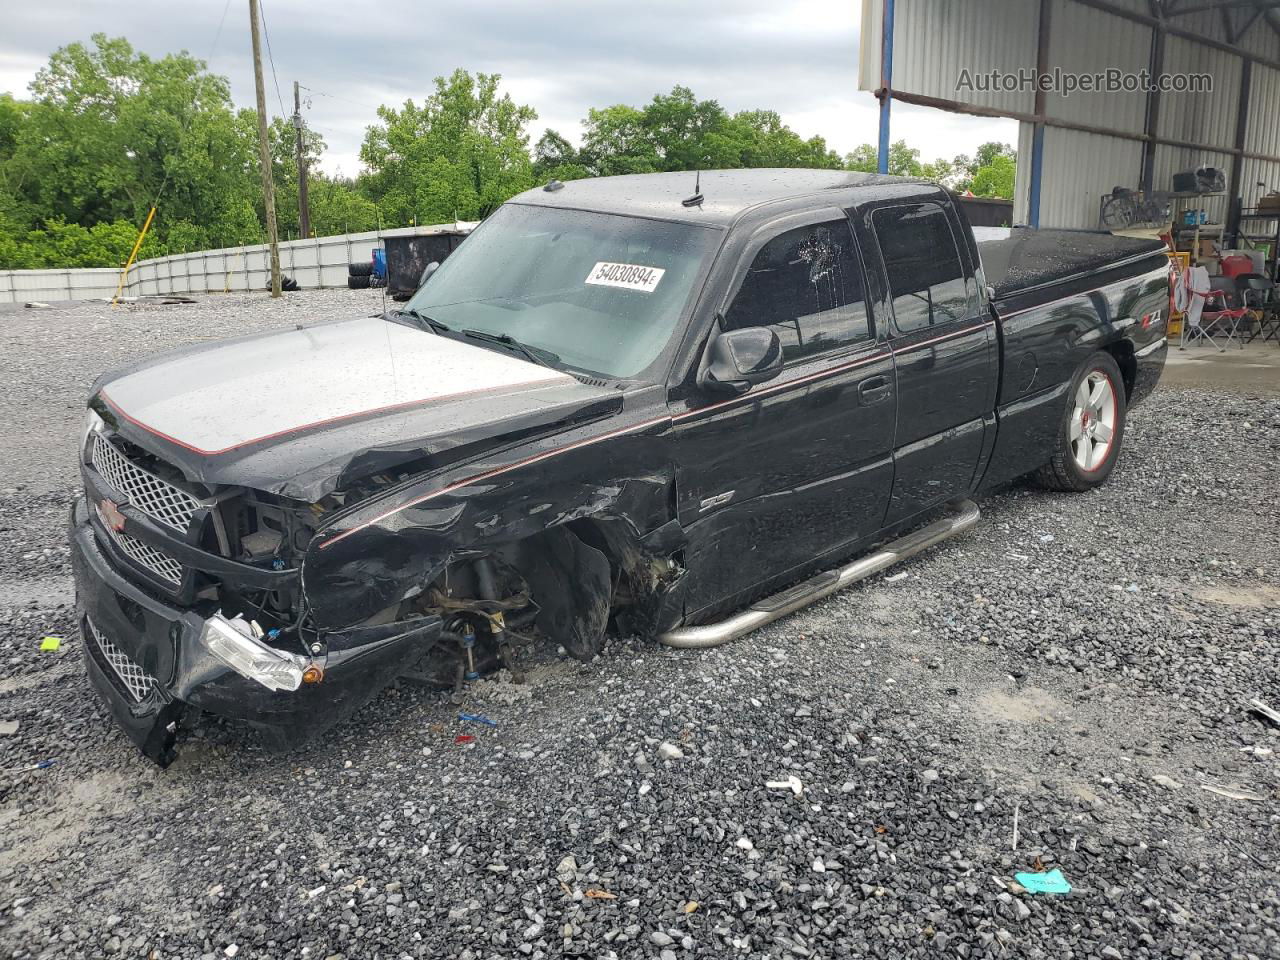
[965, 514]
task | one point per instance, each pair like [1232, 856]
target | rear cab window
[805, 284]
[929, 284]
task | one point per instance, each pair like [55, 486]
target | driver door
[795, 469]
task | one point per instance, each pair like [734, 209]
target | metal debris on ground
[42, 765]
[1050, 882]
[1260, 709]
[1231, 793]
[477, 718]
[894, 578]
[792, 783]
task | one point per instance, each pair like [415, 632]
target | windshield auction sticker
[629, 276]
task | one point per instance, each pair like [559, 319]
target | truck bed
[1019, 259]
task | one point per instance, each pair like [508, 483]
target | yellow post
[136, 247]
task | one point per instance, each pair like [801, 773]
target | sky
[799, 58]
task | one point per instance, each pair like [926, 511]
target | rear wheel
[1092, 428]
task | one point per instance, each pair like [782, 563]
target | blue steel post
[1037, 164]
[886, 84]
[1041, 106]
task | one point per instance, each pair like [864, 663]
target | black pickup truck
[619, 404]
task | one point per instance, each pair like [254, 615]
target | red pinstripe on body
[644, 424]
[321, 423]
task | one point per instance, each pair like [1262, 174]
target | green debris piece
[50, 644]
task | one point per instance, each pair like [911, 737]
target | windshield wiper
[536, 355]
[430, 323]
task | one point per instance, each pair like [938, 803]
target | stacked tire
[358, 275]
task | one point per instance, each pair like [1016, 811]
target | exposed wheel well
[1122, 352]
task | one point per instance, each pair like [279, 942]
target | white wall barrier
[313, 262]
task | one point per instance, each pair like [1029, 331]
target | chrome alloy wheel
[1093, 421]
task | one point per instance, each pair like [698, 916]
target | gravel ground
[1056, 689]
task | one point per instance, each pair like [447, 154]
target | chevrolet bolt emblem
[111, 516]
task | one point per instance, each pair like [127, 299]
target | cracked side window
[806, 286]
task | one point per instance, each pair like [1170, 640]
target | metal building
[1074, 148]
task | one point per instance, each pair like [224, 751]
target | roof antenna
[696, 199]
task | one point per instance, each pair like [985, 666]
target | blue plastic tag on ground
[1051, 882]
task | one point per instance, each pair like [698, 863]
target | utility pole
[264, 153]
[304, 212]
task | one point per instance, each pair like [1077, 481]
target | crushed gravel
[1058, 689]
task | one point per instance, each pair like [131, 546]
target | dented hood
[303, 412]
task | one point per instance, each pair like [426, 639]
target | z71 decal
[629, 276]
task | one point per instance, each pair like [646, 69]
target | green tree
[990, 172]
[554, 158]
[338, 206]
[459, 154]
[759, 138]
[904, 161]
[677, 131]
[282, 141]
[615, 140]
[106, 131]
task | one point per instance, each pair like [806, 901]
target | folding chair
[1218, 312]
[1261, 297]
[1189, 290]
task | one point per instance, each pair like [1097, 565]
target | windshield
[602, 293]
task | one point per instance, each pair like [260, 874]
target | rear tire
[1092, 428]
[358, 283]
[359, 269]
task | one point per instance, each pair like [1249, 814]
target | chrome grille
[136, 680]
[158, 499]
[157, 561]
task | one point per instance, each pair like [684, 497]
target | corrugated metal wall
[1254, 172]
[1078, 169]
[1263, 132]
[1202, 117]
[934, 40]
[1111, 41]
[1022, 175]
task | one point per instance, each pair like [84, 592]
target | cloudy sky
[798, 58]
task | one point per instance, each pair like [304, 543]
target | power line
[182, 134]
[262, 12]
[218, 33]
[186, 127]
[334, 96]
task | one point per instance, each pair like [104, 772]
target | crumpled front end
[188, 597]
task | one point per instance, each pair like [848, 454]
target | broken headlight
[250, 657]
[92, 424]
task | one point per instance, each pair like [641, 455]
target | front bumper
[146, 660]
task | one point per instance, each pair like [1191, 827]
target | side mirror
[430, 268]
[737, 360]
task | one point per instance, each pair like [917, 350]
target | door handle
[874, 389]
